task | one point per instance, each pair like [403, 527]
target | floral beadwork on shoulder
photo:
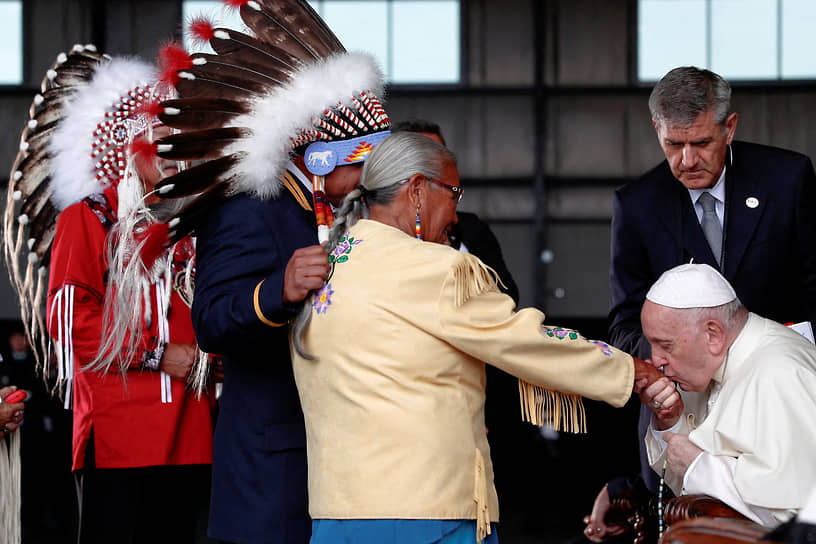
[340, 254]
[562, 333]
[344, 247]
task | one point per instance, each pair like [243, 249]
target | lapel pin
[751, 202]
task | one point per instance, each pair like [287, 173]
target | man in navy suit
[257, 261]
[759, 230]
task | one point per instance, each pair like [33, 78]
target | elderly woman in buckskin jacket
[390, 363]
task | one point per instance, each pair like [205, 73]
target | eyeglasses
[458, 192]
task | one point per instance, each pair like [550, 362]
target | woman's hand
[11, 415]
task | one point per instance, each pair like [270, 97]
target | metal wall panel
[501, 37]
[587, 135]
[139, 27]
[491, 135]
[578, 277]
[592, 42]
[515, 241]
[54, 26]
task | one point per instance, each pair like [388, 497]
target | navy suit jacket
[259, 483]
[769, 251]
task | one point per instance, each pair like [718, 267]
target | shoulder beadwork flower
[344, 246]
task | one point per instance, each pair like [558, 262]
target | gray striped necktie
[711, 224]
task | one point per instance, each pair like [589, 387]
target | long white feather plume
[73, 170]
[292, 106]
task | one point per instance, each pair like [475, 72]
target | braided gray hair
[393, 161]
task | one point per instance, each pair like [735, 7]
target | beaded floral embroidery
[322, 299]
[605, 348]
[340, 254]
[344, 246]
[561, 333]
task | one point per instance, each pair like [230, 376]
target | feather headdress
[90, 108]
[244, 109]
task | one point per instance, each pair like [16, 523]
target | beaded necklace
[661, 486]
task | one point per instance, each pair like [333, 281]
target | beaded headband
[103, 116]
[322, 157]
[128, 119]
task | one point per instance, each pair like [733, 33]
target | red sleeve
[76, 286]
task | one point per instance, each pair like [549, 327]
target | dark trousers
[155, 505]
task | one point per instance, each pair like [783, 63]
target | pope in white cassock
[739, 425]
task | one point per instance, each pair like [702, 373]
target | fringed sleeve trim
[472, 278]
[61, 320]
[561, 411]
[480, 497]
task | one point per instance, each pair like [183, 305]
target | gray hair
[731, 314]
[393, 161]
[686, 92]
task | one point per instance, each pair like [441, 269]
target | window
[415, 41]
[11, 42]
[738, 39]
[213, 10]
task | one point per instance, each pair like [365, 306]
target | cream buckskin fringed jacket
[394, 403]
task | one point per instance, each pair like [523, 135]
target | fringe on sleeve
[561, 411]
[472, 277]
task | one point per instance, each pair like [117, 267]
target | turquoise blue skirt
[397, 531]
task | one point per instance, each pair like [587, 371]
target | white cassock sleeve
[656, 451]
[714, 475]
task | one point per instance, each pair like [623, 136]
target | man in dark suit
[764, 199]
[757, 227]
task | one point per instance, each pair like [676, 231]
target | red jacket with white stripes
[149, 419]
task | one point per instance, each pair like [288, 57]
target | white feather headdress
[243, 110]
[74, 145]
[98, 124]
[298, 104]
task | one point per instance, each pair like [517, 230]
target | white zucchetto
[691, 286]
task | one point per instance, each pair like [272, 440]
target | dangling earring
[418, 226]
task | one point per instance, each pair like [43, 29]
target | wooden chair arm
[687, 507]
[634, 509]
[707, 530]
